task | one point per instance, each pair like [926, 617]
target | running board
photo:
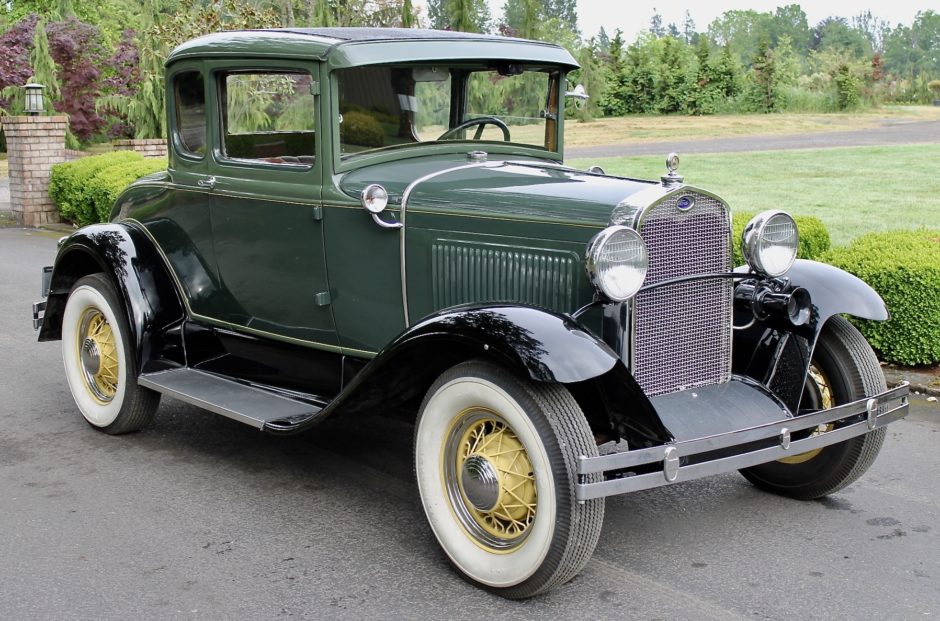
[246, 404]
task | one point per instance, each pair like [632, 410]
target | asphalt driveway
[201, 517]
[890, 132]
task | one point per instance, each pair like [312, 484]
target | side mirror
[579, 95]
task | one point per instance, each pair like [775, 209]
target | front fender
[835, 291]
[531, 342]
[777, 354]
[139, 274]
[548, 347]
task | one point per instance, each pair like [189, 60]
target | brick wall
[148, 147]
[34, 144]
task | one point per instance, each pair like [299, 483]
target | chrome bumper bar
[878, 411]
[39, 308]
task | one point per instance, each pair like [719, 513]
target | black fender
[128, 256]
[533, 343]
[778, 354]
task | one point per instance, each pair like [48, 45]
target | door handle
[208, 183]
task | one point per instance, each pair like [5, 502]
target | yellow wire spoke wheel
[98, 359]
[490, 480]
[822, 388]
[98, 356]
[496, 461]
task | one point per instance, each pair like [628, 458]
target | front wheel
[844, 368]
[98, 359]
[496, 463]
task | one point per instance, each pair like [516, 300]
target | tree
[764, 77]
[461, 15]
[672, 87]
[522, 18]
[43, 65]
[688, 29]
[145, 109]
[834, 33]
[408, 19]
[656, 25]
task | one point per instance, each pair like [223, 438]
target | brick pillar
[34, 144]
[155, 147]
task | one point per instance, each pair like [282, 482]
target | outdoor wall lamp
[34, 104]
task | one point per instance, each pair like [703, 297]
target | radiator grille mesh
[683, 332]
[469, 272]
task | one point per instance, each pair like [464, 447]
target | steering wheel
[481, 121]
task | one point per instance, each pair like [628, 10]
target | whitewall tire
[99, 361]
[496, 464]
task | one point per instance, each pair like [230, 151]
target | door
[266, 211]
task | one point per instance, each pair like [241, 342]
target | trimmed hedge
[814, 236]
[84, 190]
[904, 268]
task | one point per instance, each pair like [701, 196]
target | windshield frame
[555, 94]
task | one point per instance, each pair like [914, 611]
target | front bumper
[39, 308]
[733, 450]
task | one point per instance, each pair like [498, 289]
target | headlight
[769, 243]
[616, 262]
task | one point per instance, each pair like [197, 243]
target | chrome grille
[682, 332]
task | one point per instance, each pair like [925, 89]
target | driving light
[616, 262]
[769, 243]
[374, 198]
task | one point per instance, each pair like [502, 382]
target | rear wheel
[496, 463]
[98, 359]
[844, 369]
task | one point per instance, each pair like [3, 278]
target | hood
[526, 189]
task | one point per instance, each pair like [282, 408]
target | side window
[268, 118]
[191, 112]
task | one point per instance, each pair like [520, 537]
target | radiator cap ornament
[672, 178]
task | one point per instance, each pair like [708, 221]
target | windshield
[397, 106]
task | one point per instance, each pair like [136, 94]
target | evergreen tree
[656, 25]
[688, 30]
[43, 66]
[615, 54]
[408, 19]
[764, 77]
[672, 87]
[460, 15]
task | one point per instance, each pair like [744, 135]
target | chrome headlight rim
[754, 235]
[594, 255]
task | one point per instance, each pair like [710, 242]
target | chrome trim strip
[627, 459]
[404, 206]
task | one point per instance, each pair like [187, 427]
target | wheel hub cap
[480, 483]
[489, 480]
[91, 359]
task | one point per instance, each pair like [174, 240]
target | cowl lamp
[34, 103]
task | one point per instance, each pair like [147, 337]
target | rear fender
[129, 258]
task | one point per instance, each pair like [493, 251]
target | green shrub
[107, 184]
[904, 268]
[814, 236]
[68, 185]
[361, 128]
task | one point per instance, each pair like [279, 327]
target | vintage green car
[380, 220]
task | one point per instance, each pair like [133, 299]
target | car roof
[349, 47]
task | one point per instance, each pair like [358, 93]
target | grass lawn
[853, 190]
[4, 166]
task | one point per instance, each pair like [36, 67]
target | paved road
[892, 132]
[200, 517]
